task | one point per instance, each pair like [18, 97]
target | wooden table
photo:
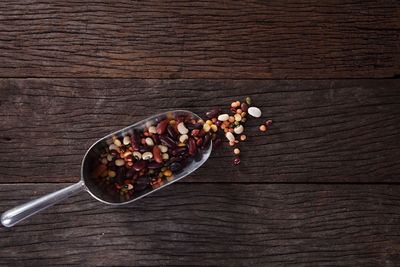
[321, 187]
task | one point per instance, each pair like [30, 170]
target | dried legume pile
[132, 163]
[135, 162]
[233, 125]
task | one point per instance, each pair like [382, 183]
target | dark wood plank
[200, 39]
[211, 224]
[324, 131]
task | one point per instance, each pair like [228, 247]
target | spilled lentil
[233, 123]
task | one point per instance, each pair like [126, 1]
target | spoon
[21, 212]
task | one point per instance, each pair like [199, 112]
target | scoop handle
[21, 212]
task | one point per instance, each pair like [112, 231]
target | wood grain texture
[324, 131]
[200, 39]
[211, 224]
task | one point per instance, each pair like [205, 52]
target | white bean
[148, 124]
[119, 162]
[126, 140]
[182, 128]
[147, 155]
[117, 142]
[113, 147]
[163, 148]
[137, 155]
[152, 129]
[223, 117]
[230, 136]
[238, 129]
[109, 157]
[255, 112]
[149, 141]
[165, 156]
[183, 138]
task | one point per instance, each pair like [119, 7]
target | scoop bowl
[87, 183]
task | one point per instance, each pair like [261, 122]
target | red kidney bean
[160, 118]
[155, 165]
[207, 140]
[161, 126]
[129, 174]
[157, 154]
[232, 111]
[173, 159]
[144, 179]
[192, 147]
[244, 107]
[139, 165]
[180, 119]
[122, 148]
[171, 131]
[195, 132]
[156, 139]
[135, 176]
[179, 150]
[135, 141]
[216, 143]
[192, 126]
[188, 118]
[213, 113]
[218, 123]
[165, 140]
[144, 148]
[141, 183]
[121, 173]
[236, 160]
[140, 187]
[199, 142]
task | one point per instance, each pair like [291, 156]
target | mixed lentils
[134, 162]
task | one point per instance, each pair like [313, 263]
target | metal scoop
[19, 213]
